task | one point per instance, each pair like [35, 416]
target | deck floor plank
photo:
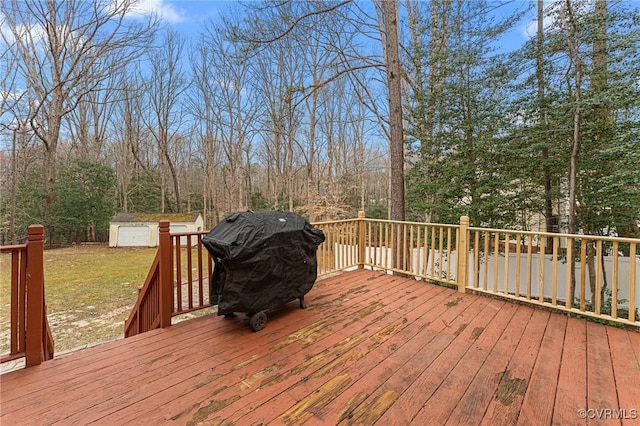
[512, 385]
[601, 386]
[539, 398]
[420, 378]
[422, 337]
[371, 348]
[571, 393]
[356, 363]
[472, 405]
[626, 368]
[443, 401]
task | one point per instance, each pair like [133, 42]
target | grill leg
[303, 305]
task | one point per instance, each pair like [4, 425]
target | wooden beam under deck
[371, 348]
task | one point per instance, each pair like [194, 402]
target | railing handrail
[477, 228]
[558, 234]
[30, 334]
[328, 222]
[188, 233]
[133, 324]
[7, 249]
[445, 225]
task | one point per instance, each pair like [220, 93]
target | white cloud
[31, 32]
[165, 11]
[11, 96]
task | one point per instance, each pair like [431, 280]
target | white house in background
[141, 229]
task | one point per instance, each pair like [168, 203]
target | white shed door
[178, 228]
[175, 229]
[133, 236]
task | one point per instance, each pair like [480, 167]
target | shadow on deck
[370, 348]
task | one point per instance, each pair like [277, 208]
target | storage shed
[141, 229]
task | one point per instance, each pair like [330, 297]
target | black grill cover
[262, 260]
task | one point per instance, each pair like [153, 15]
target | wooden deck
[371, 348]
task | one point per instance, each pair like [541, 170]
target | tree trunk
[569, 24]
[546, 174]
[50, 163]
[396, 143]
[602, 117]
[394, 80]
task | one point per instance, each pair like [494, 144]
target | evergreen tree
[85, 201]
[460, 164]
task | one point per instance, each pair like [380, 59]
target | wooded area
[286, 106]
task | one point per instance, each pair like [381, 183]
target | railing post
[362, 241]
[165, 266]
[463, 254]
[34, 352]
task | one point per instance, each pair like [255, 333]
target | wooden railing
[593, 276]
[29, 335]
[423, 250]
[177, 282]
[340, 248]
[145, 314]
[530, 267]
[192, 267]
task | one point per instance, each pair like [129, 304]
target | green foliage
[30, 196]
[376, 211]
[494, 138]
[461, 166]
[260, 202]
[85, 195]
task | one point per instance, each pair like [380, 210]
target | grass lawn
[90, 290]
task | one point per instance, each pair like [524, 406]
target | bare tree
[235, 113]
[89, 122]
[128, 127]
[288, 19]
[165, 88]
[202, 104]
[278, 77]
[60, 51]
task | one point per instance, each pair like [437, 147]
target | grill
[263, 260]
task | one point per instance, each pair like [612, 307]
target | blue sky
[185, 15]
[188, 16]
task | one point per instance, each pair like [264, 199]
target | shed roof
[127, 217]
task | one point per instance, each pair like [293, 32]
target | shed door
[174, 229]
[133, 236]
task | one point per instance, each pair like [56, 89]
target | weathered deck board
[571, 392]
[484, 386]
[371, 348]
[539, 398]
[601, 386]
